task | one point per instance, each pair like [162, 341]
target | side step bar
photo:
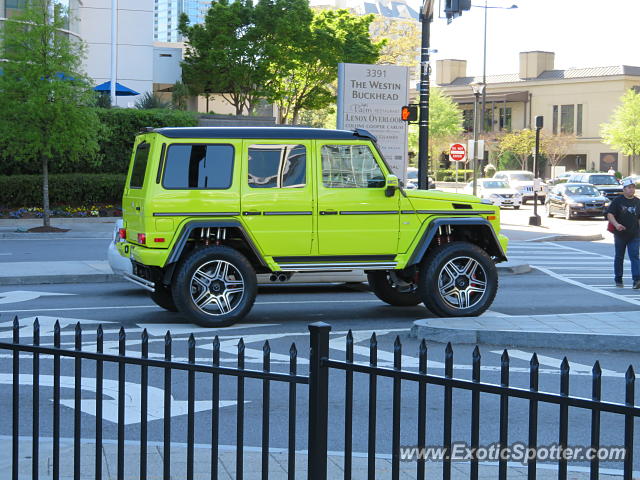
[141, 282]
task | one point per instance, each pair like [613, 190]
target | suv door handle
[328, 212]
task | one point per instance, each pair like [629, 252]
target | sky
[582, 33]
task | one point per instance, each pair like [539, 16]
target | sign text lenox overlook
[370, 97]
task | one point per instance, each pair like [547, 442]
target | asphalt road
[281, 316]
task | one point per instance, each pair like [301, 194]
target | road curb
[514, 269]
[432, 329]
[60, 279]
[567, 238]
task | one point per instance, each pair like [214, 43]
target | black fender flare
[188, 227]
[494, 248]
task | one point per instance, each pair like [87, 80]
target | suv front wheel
[391, 288]
[215, 286]
[458, 279]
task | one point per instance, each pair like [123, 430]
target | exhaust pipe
[273, 277]
[283, 277]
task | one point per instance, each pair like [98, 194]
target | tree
[623, 131]
[225, 55]
[520, 144]
[302, 78]
[556, 147]
[402, 41]
[445, 124]
[45, 99]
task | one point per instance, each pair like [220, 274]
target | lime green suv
[206, 209]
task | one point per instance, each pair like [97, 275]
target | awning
[522, 96]
[121, 90]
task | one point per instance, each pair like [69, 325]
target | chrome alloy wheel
[462, 282]
[217, 287]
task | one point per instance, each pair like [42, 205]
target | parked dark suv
[607, 184]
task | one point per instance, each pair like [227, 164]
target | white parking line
[566, 279]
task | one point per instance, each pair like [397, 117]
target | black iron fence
[320, 368]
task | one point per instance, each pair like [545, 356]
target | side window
[277, 166]
[139, 165]
[198, 167]
[350, 166]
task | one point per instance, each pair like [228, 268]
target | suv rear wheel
[391, 288]
[163, 298]
[458, 279]
[215, 286]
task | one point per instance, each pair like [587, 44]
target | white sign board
[371, 97]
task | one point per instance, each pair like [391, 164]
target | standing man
[624, 215]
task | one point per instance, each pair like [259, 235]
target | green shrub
[450, 175]
[68, 189]
[122, 125]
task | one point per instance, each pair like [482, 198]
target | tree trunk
[45, 191]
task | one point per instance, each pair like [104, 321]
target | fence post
[318, 400]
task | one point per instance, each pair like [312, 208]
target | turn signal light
[142, 238]
[122, 233]
[491, 217]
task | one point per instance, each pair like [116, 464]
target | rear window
[139, 165]
[198, 167]
[603, 180]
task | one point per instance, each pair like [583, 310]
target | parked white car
[497, 192]
[522, 181]
[121, 265]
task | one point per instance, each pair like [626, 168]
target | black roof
[262, 132]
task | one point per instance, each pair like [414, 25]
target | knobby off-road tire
[458, 279]
[215, 286]
[392, 289]
[163, 298]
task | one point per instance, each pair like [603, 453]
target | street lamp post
[484, 55]
[535, 219]
[426, 16]
[478, 89]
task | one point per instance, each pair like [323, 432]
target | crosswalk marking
[581, 268]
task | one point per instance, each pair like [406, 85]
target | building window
[579, 121]
[488, 120]
[467, 120]
[555, 119]
[567, 118]
[505, 119]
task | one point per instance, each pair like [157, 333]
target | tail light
[142, 238]
[122, 233]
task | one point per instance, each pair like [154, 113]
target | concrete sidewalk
[252, 464]
[604, 331]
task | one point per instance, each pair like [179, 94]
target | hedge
[75, 189]
[122, 125]
[450, 175]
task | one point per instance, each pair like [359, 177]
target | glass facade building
[167, 15]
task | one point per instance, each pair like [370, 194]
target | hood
[587, 198]
[499, 191]
[609, 188]
[444, 196]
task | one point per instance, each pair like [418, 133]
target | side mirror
[392, 184]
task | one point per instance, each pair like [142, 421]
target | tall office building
[167, 15]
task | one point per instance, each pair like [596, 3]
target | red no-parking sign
[457, 152]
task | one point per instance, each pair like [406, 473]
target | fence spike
[266, 348]
[36, 328]
[293, 351]
[215, 353]
[78, 337]
[373, 342]
[192, 341]
[534, 363]
[145, 336]
[564, 366]
[16, 330]
[504, 358]
[596, 370]
[56, 334]
[167, 338]
[448, 360]
[422, 356]
[630, 376]
[397, 353]
[476, 353]
[476, 357]
[99, 331]
[241, 347]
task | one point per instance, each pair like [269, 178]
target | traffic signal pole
[426, 16]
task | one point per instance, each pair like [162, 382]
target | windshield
[495, 184]
[523, 177]
[603, 180]
[582, 190]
